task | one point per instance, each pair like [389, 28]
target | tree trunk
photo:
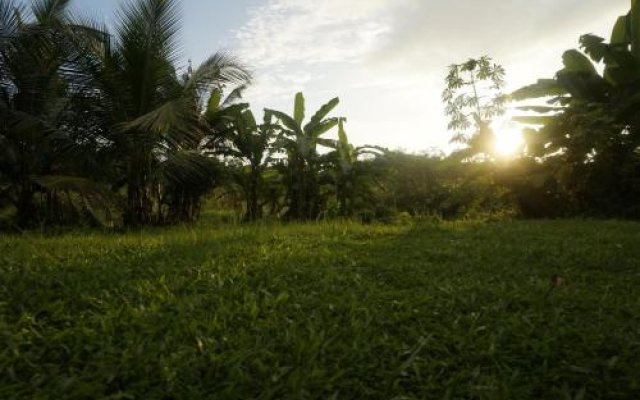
[253, 201]
[138, 210]
[26, 210]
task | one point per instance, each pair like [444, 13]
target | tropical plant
[473, 97]
[352, 175]
[248, 144]
[591, 123]
[154, 117]
[302, 167]
[39, 83]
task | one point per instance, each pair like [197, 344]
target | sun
[508, 138]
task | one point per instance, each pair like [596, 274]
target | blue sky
[208, 24]
[385, 59]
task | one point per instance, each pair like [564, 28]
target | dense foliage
[589, 142]
[103, 126]
[111, 133]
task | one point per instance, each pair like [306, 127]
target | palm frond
[219, 70]
[50, 12]
[10, 11]
[187, 168]
[234, 96]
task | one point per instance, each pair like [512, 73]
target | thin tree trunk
[26, 211]
[253, 204]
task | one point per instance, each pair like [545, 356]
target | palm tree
[303, 164]
[37, 87]
[154, 117]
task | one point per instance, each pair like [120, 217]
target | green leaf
[574, 61]
[634, 22]
[620, 36]
[174, 121]
[542, 88]
[298, 112]
[342, 134]
[322, 113]
[330, 143]
[595, 47]
[282, 298]
[323, 127]
[250, 120]
[214, 100]
[287, 121]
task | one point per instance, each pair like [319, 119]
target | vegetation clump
[99, 127]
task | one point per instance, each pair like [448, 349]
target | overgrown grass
[333, 311]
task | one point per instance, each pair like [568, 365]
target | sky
[385, 59]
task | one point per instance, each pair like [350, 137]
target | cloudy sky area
[385, 59]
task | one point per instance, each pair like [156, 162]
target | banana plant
[351, 175]
[303, 165]
[591, 123]
[615, 92]
[249, 145]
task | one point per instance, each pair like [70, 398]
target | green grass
[333, 311]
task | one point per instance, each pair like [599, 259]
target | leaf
[187, 168]
[250, 120]
[234, 96]
[634, 22]
[10, 12]
[345, 149]
[286, 120]
[220, 68]
[50, 11]
[323, 127]
[93, 195]
[330, 143]
[594, 46]
[575, 61]
[321, 114]
[72, 183]
[298, 111]
[282, 298]
[620, 36]
[171, 118]
[342, 134]
[214, 100]
[534, 120]
[542, 88]
[540, 109]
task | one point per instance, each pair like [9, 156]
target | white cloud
[308, 32]
[386, 58]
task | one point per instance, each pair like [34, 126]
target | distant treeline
[103, 127]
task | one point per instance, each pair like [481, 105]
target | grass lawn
[331, 311]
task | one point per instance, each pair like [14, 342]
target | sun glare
[509, 140]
